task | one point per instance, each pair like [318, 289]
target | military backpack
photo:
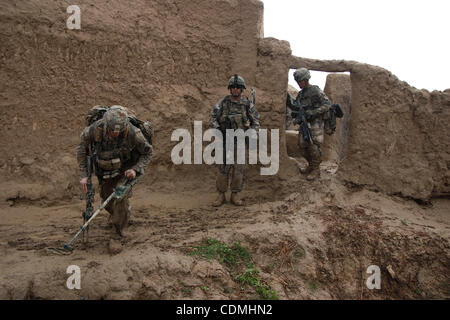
[334, 112]
[97, 113]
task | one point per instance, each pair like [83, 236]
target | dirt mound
[314, 243]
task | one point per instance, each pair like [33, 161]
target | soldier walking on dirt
[119, 152]
[316, 105]
[235, 111]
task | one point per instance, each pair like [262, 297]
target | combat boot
[235, 199]
[220, 200]
[115, 246]
[314, 174]
[304, 170]
[120, 232]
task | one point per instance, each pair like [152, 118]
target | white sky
[410, 38]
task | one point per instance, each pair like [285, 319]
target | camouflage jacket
[234, 115]
[133, 150]
[315, 100]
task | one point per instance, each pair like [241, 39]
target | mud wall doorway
[337, 86]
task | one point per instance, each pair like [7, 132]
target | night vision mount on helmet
[237, 81]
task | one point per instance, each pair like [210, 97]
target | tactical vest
[112, 156]
[308, 98]
[234, 115]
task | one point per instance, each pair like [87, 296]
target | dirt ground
[309, 240]
[170, 62]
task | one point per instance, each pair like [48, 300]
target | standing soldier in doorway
[314, 104]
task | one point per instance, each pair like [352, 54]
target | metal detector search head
[68, 247]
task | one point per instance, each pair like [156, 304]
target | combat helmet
[116, 119]
[236, 81]
[302, 74]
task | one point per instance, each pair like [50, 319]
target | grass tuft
[235, 257]
[251, 277]
[214, 249]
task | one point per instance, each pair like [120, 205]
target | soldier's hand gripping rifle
[118, 193]
[299, 113]
[300, 119]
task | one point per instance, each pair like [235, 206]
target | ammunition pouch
[237, 121]
[109, 165]
[110, 174]
[234, 117]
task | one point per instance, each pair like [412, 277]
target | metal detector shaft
[83, 227]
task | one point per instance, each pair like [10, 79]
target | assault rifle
[299, 115]
[87, 214]
[303, 129]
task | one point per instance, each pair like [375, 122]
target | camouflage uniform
[114, 155]
[233, 115]
[316, 104]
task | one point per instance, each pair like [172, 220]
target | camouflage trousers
[119, 210]
[237, 177]
[236, 170]
[312, 151]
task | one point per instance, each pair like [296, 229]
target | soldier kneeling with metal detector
[118, 147]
